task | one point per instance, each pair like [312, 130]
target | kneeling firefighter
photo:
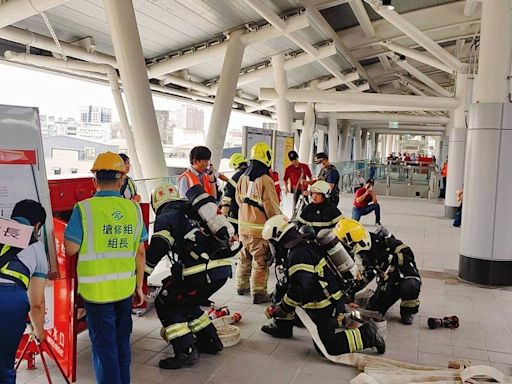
[197, 240]
[316, 283]
[391, 261]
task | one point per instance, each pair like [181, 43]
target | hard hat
[276, 227]
[236, 160]
[109, 161]
[163, 193]
[321, 186]
[353, 234]
[262, 153]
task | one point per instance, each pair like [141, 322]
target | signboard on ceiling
[252, 135]
[283, 143]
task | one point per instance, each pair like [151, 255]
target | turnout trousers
[252, 268]
[407, 289]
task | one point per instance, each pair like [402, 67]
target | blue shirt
[74, 231]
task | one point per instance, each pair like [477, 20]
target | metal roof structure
[347, 37]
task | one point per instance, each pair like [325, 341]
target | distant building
[190, 118]
[166, 123]
[95, 115]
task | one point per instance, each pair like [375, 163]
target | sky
[61, 95]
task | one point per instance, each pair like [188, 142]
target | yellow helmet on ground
[109, 161]
[321, 186]
[236, 160]
[262, 153]
[163, 193]
[354, 234]
[276, 227]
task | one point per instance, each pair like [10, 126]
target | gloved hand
[280, 310]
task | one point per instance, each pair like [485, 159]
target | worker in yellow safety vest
[108, 234]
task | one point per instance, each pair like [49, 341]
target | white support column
[364, 144]
[457, 146]
[357, 144]
[225, 95]
[389, 145]
[373, 145]
[281, 85]
[306, 138]
[340, 146]
[333, 137]
[127, 47]
[345, 140]
[486, 249]
[320, 140]
[383, 147]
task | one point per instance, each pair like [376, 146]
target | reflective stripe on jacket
[106, 261]
[14, 269]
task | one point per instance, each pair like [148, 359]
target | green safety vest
[112, 229]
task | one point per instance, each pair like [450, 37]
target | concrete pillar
[457, 146]
[281, 87]
[306, 138]
[340, 146]
[225, 95]
[320, 140]
[333, 137]
[357, 144]
[389, 145]
[364, 143]
[383, 147]
[374, 139]
[345, 138]
[486, 249]
[132, 67]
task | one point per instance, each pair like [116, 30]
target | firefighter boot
[373, 338]
[181, 359]
[260, 298]
[407, 318]
[208, 341]
[281, 329]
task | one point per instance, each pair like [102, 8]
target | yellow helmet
[262, 153]
[321, 186]
[236, 160]
[276, 227]
[354, 234]
[163, 193]
[109, 161]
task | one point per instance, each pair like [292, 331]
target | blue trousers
[110, 326]
[14, 307]
[358, 212]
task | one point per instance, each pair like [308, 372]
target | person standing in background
[128, 189]
[295, 177]
[330, 174]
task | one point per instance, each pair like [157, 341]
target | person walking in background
[330, 174]
[295, 177]
[458, 214]
[128, 189]
[358, 181]
[257, 198]
[22, 271]
[108, 234]
[444, 175]
[365, 201]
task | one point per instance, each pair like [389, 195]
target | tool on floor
[218, 312]
[450, 322]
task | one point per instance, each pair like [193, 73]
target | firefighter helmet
[353, 234]
[262, 153]
[321, 186]
[109, 161]
[163, 193]
[236, 160]
[276, 227]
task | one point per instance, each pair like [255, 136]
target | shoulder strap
[8, 254]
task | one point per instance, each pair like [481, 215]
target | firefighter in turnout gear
[320, 213]
[314, 286]
[256, 195]
[198, 246]
[391, 261]
[228, 203]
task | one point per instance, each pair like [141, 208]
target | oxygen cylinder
[337, 254]
[206, 207]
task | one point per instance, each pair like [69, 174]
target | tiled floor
[484, 336]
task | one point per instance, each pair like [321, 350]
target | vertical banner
[283, 143]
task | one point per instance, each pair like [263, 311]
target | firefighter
[201, 265]
[238, 163]
[320, 213]
[257, 198]
[313, 286]
[391, 261]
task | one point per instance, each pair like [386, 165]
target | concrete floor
[484, 336]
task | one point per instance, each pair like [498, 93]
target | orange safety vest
[444, 170]
[194, 180]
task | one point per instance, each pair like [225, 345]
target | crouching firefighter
[391, 261]
[316, 284]
[197, 241]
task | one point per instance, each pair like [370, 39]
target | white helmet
[276, 227]
[321, 186]
[163, 193]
